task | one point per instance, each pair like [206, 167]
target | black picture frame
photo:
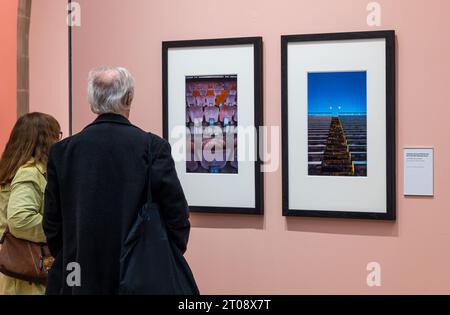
[257, 43]
[389, 36]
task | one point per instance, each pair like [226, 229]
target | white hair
[110, 89]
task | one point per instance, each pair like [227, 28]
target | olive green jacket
[21, 210]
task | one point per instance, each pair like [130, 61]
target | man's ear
[129, 98]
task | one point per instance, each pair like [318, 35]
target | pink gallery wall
[8, 70]
[49, 62]
[271, 254]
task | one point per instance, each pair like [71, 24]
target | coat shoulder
[30, 173]
[157, 140]
[158, 143]
[57, 147]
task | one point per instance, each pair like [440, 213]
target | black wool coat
[97, 183]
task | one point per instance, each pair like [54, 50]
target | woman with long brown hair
[22, 186]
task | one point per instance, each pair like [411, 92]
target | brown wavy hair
[31, 138]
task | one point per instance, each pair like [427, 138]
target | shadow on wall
[342, 226]
[297, 224]
[223, 221]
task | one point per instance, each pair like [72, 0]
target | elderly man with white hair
[97, 181]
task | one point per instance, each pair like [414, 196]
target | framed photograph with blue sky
[338, 108]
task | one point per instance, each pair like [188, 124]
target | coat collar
[41, 168]
[110, 118]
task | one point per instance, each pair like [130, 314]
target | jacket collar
[110, 118]
[41, 168]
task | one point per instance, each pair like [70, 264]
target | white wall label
[418, 171]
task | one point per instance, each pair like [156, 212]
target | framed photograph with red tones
[338, 108]
[212, 97]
